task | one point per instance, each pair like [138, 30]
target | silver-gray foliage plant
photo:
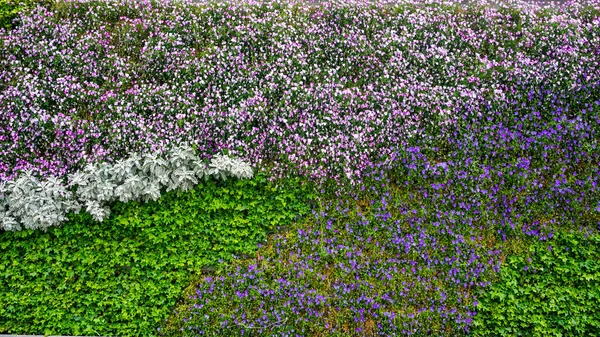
[30, 203]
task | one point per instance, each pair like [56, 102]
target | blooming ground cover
[443, 141]
[416, 255]
[318, 92]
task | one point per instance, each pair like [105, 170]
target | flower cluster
[321, 91]
[389, 271]
[412, 257]
[31, 203]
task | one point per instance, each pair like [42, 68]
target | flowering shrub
[320, 91]
[33, 204]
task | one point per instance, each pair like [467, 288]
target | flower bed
[415, 254]
[322, 92]
[441, 140]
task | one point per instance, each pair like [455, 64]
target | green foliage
[555, 291]
[123, 276]
[10, 9]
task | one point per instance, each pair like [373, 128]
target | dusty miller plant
[30, 203]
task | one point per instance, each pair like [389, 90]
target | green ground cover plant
[10, 9]
[549, 290]
[124, 275]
